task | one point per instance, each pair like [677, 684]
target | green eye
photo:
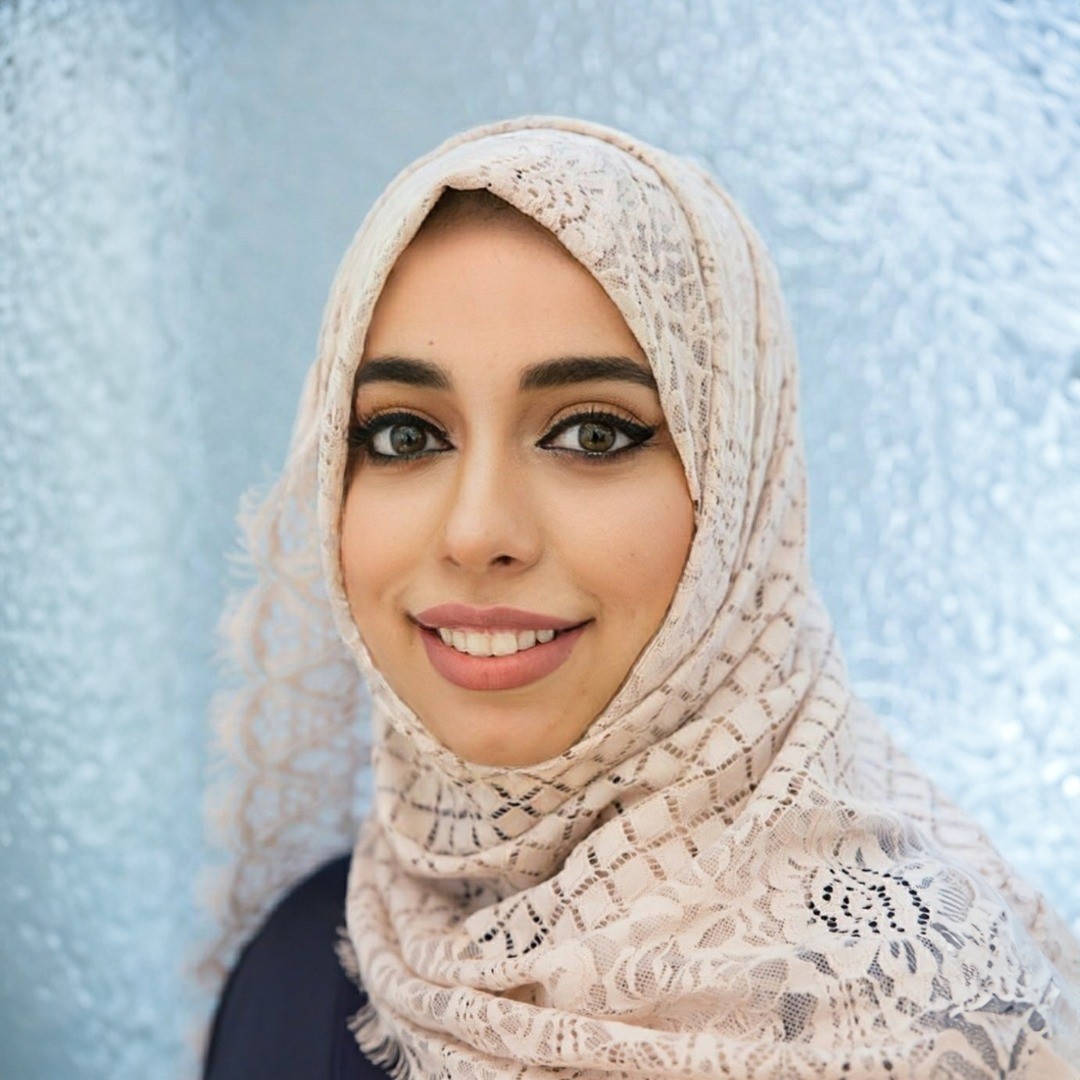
[592, 437]
[398, 437]
[597, 435]
[399, 440]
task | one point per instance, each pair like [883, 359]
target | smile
[500, 643]
[495, 648]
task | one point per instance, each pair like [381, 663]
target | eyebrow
[563, 371]
[400, 369]
[576, 369]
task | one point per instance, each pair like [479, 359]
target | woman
[628, 818]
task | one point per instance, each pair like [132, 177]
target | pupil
[406, 438]
[596, 437]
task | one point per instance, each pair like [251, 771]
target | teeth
[500, 643]
[504, 643]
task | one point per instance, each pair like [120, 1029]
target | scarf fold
[734, 872]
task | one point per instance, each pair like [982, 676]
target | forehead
[494, 290]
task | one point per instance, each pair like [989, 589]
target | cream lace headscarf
[733, 872]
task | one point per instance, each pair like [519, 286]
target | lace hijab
[734, 872]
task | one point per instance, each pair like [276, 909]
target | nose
[490, 521]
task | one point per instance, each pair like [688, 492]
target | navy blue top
[284, 1012]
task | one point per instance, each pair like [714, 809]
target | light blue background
[178, 182]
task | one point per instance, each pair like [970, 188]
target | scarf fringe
[376, 1043]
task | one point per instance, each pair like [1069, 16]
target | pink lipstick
[528, 646]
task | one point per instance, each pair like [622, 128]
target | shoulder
[285, 1008]
[302, 929]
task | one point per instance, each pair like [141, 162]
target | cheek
[377, 536]
[357, 554]
[628, 541]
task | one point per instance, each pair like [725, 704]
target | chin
[502, 738]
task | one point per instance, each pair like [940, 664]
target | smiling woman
[509, 455]
[547, 498]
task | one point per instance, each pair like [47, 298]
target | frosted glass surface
[178, 183]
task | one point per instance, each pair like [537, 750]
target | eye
[596, 434]
[400, 440]
[398, 436]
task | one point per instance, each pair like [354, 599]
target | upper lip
[466, 617]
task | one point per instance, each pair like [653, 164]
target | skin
[488, 512]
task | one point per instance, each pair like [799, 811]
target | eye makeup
[396, 436]
[400, 436]
[602, 435]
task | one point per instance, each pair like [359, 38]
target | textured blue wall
[178, 182]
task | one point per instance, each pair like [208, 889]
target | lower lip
[499, 672]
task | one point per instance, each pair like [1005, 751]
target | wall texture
[178, 181]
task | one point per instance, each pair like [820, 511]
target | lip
[487, 619]
[495, 672]
[500, 672]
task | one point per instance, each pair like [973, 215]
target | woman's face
[517, 517]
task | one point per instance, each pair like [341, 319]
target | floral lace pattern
[734, 872]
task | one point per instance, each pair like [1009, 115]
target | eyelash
[363, 433]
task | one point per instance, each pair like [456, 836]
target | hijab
[734, 871]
